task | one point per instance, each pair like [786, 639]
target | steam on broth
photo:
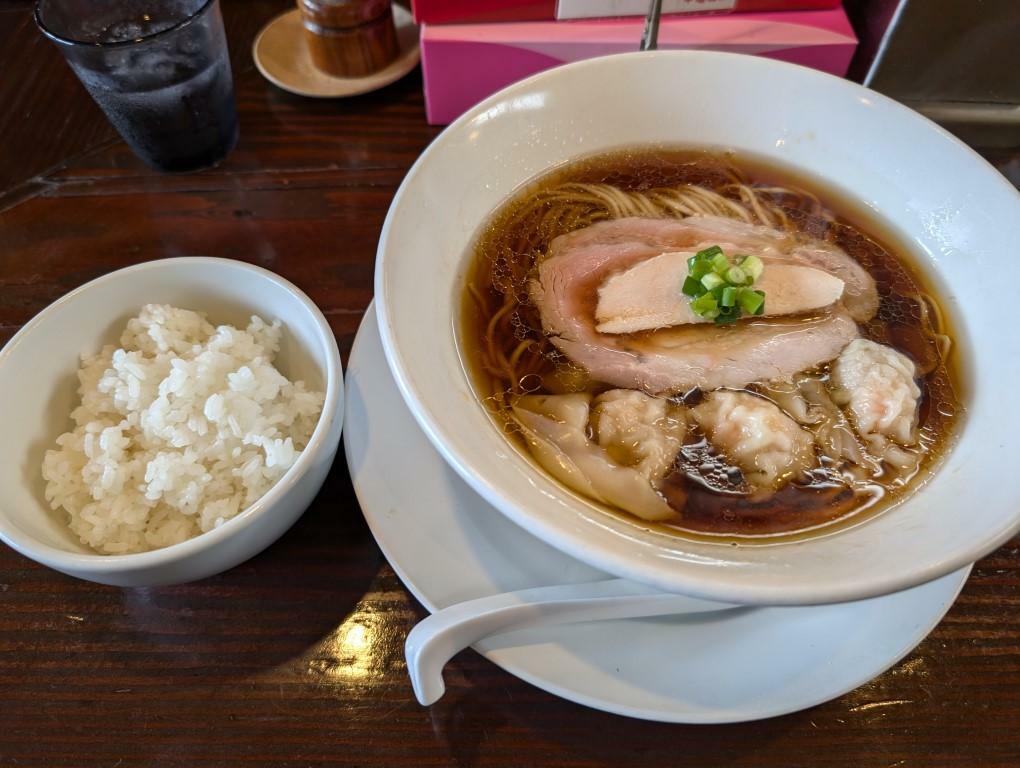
[595, 343]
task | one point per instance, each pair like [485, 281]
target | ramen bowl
[958, 217]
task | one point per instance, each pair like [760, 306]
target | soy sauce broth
[908, 301]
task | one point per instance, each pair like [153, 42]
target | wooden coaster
[281, 55]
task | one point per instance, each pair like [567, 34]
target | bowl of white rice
[167, 421]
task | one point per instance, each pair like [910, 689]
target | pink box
[482, 11]
[464, 63]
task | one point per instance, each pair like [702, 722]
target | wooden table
[248, 668]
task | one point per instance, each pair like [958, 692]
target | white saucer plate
[281, 55]
[448, 545]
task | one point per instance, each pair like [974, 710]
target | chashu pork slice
[677, 359]
[655, 236]
[646, 296]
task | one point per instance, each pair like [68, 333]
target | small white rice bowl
[180, 427]
[40, 389]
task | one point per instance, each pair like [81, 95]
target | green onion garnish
[752, 302]
[708, 253]
[726, 317]
[721, 290]
[700, 269]
[736, 276]
[704, 304]
[752, 265]
[712, 280]
[692, 287]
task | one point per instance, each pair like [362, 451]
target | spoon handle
[437, 638]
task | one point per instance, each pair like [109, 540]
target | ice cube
[120, 31]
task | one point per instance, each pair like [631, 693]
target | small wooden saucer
[281, 54]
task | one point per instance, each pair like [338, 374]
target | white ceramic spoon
[437, 638]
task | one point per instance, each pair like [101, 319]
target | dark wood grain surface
[250, 667]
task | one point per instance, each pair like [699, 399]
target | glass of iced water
[159, 70]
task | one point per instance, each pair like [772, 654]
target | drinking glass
[158, 69]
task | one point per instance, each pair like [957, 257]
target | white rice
[180, 428]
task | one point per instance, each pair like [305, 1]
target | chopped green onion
[752, 302]
[708, 253]
[761, 307]
[692, 287]
[753, 266]
[700, 269]
[720, 289]
[712, 280]
[736, 276]
[704, 304]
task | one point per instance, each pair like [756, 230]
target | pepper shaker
[349, 38]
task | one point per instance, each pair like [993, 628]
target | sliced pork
[645, 296]
[706, 356]
[651, 237]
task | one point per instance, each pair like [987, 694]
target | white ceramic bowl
[960, 217]
[38, 386]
